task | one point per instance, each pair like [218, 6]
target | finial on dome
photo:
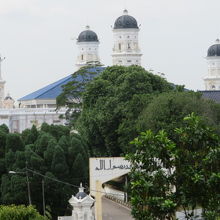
[217, 41]
[81, 188]
[125, 12]
[87, 27]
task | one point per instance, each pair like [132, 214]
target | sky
[38, 38]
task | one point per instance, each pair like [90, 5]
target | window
[120, 61]
[119, 46]
[81, 57]
[129, 61]
[213, 86]
[128, 36]
[129, 46]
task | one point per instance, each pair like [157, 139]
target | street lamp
[28, 183]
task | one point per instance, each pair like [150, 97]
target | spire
[217, 41]
[1, 60]
[81, 188]
[125, 12]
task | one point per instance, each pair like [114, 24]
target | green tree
[167, 110]
[71, 95]
[112, 103]
[19, 213]
[14, 142]
[183, 174]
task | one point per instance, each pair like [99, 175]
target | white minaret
[126, 49]
[212, 80]
[88, 48]
[2, 85]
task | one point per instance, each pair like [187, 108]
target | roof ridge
[53, 86]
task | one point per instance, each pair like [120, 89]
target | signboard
[104, 169]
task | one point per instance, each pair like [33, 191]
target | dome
[8, 97]
[125, 21]
[88, 36]
[214, 50]
[81, 195]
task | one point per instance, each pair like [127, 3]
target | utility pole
[43, 196]
[28, 186]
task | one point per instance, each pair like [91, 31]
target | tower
[2, 85]
[126, 49]
[212, 80]
[88, 45]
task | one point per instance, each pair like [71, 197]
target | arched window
[82, 57]
[119, 46]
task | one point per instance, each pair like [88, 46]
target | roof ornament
[81, 188]
[1, 60]
[125, 12]
[217, 41]
[87, 27]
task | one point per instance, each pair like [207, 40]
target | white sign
[104, 169]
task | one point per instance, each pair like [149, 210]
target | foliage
[19, 213]
[167, 110]
[51, 151]
[111, 105]
[72, 91]
[167, 175]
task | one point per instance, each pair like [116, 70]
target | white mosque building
[40, 106]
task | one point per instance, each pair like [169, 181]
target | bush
[21, 212]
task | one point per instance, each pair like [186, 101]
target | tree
[51, 151]
[167, 175]
[14, 142]
[19, 213]
[167, 110]
[71, 95]
[111, 105]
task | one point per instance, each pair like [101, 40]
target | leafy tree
[111, 105]
[167, 110]
[168, 175]
[19, 213]
[29, 136]
[14, 142]
[72, 91]
[59, 166]
[4, 128]
[51, 151]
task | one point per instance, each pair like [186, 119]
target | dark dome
[81, 195]
[125, 21]
[214, 50]
[87, 36]
[8, 97]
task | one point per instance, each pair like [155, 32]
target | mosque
[40, 106]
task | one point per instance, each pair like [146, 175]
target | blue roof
[212, 95]
[53, 90]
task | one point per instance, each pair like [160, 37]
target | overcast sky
[38, 37]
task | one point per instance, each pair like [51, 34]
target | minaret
[2, 85]
[88, 46]
[212, 80]
[126, 49]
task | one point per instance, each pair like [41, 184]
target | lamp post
[29, 189]
[28, 183]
